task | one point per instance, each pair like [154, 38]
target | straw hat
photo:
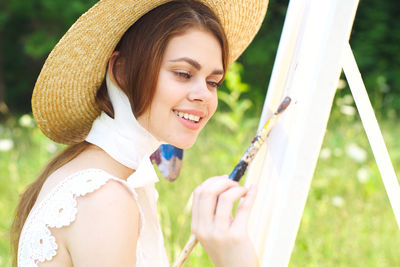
[63, 100]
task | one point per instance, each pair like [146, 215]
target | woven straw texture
[63, 100]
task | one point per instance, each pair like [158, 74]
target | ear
[111, 63]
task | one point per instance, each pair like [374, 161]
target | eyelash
[187, 76]
[184, 75]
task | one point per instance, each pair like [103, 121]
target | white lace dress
[59, 209]
[125, 140]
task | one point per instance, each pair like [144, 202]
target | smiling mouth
[187, 116]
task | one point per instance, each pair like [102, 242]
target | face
[186, 92]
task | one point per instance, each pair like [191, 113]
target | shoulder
[94, 221]
[106, 227]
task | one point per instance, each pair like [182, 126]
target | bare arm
[106, 228]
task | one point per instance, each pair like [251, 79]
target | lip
[187, 123]
[192, 112]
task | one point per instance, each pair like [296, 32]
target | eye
[184, 75]
[215, 85]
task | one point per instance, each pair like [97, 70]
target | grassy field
[347, 221]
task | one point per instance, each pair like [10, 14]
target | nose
[200, 92]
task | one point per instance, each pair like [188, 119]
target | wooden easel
[313, 49]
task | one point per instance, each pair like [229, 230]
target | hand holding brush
[240, 169]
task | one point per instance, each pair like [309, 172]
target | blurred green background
[347, 221]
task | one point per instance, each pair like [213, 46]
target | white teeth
[187, 116]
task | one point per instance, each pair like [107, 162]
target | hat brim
[63, 100]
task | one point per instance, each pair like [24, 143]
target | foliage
[347, 219]
[234, 106]
[233, 116]
[23, 152]
[258, 58]
[376, 44]
[375, 41]
[29, 30]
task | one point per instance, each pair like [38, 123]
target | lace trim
[58, 209]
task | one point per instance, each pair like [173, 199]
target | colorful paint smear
[169, 161]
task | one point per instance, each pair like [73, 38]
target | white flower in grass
[348, 99]
[348, 110]
[51, 148]
[6, 144]
[325, 153]
[337, 201]
[26, 121]
[341, 84]
[363, 175]
[337, 152]
[356, 153]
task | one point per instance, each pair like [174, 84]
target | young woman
[125, 78]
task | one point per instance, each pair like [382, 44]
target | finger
[214, 179]
[244, 209]
[196, 214]
[205, 198]
[223, 213]
[196, 195]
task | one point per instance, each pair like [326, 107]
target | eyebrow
[195, 64]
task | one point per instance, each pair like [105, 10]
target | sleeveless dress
[125, 140]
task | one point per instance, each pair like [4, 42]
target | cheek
[163, 100]
[168, 93]
[213, 105]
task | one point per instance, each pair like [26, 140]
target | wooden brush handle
[186, 251]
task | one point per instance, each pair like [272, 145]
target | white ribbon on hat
[124, 139]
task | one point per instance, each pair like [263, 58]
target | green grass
[347, 220]
[18, 167]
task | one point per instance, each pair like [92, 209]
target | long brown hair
[141, 50]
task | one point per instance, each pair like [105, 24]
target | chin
[183, 144]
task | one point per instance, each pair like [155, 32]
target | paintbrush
[240, 169]
[257, 142]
